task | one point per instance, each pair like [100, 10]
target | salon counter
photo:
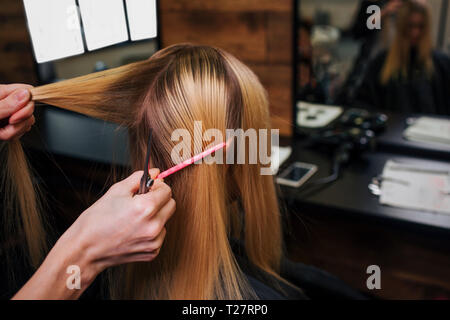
[350, 193]
[342, 228]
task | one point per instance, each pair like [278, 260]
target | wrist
[52, 279]
[73, 249]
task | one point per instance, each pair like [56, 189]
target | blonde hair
[175, 87]
[398, 57]
[22, 204]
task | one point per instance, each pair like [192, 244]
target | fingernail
[22, 95]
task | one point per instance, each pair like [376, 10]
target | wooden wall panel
[276, 79]
[219, 29]
[279, 38]
[226, 5]
[258, 32]
[16, 57]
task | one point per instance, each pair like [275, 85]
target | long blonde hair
[175, 87]
[21, 218]
[398, 57]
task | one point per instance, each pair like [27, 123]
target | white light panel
[104, 22]
[54, 28]
[142, 19]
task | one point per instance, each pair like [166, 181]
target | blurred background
[360, 104]
[335, 47]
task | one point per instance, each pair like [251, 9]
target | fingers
[146, 250]
[14, 102]
[157, 198]
[153, 172]
[7, 89]
[16, 130]
[23, 114]
[139, 257]
[158, 223]
[131, 184]
[150, 246]
[160, 219]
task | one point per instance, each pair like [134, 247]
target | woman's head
[177, 87]
[198, 86]
[413, 29]
[414, 23]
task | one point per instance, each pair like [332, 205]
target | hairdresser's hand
[16, 111]
[119, 228]
[123, 227]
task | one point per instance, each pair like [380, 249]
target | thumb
[13, 102]
[153, 172]
[130, 185]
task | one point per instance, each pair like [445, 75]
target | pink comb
[190, 161]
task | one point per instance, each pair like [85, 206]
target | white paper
[415, 187]
[104, 22]
[321, 115]
[426, 129]
[142, 19]
[54, 28]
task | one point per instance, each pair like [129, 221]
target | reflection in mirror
[389, 58]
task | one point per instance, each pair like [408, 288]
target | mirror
[380, 55]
